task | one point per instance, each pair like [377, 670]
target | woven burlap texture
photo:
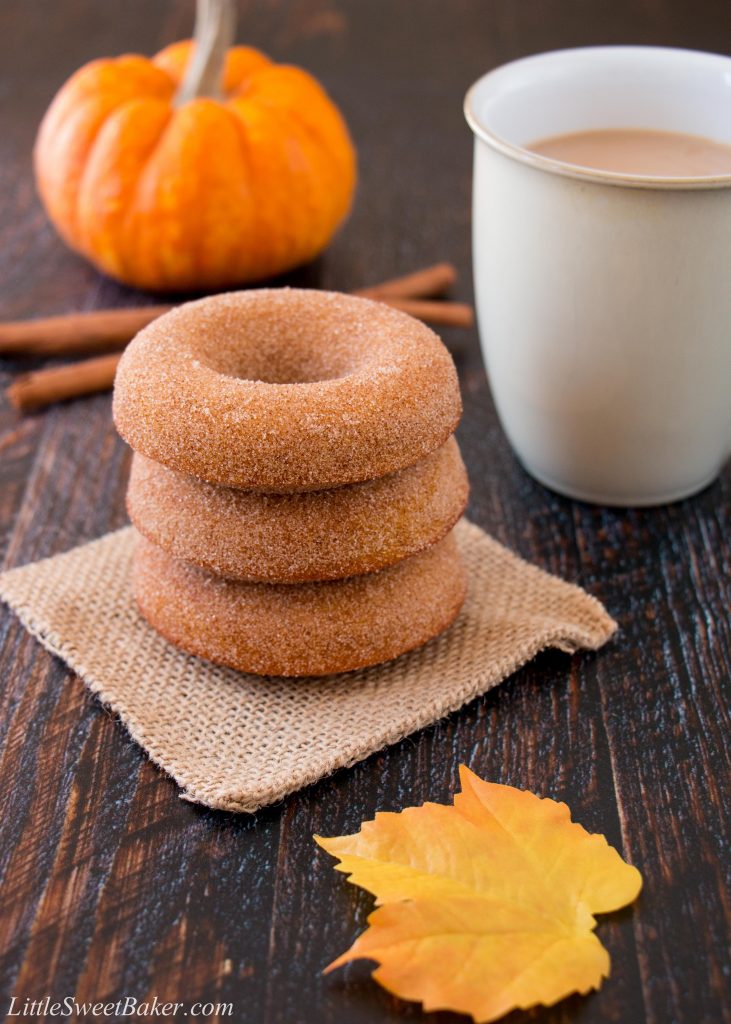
[240, 742]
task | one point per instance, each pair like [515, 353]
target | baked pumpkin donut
[286, 390]
[291, 538]
[306, 629]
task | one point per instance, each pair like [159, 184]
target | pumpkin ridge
[120, 240]
[70, 230]
[197, 216]
[91, 97]
[243, 88]
[126, 230]
[195, 246]
[246, 155]
[245, 144]
[321, 142]
[93, 79]
[87, 99]
[167, 59]
[76, 205]
[300, 251]
[296, 114]
[91, 82]
[328, 220]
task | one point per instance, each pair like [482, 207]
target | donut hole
[285, 349]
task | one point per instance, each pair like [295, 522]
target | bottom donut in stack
[294, 505]
[304, 629]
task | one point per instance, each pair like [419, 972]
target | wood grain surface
[111, 885]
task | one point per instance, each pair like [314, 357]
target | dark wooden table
[113, 886]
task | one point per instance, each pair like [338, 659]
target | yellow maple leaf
[486, 906]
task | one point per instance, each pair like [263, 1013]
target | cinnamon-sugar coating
[291, 538]
[302, 629]
[286, 390]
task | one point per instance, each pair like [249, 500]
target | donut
[286, 390]
[305, 629]
[292, 538]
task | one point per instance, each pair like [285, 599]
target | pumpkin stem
[215, 27]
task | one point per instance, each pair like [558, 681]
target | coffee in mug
[639, 151]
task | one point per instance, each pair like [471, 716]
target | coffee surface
[639, 151]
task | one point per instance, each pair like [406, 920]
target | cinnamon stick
[43, 387]
[75, 333]
[110, 329]
[441, 314]
[97, 330]
[427, 283]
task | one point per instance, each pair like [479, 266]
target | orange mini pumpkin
[200, 168]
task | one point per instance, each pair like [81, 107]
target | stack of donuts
[295, 480]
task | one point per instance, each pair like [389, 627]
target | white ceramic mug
[603, 299]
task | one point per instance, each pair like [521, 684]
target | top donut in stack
[293, 448]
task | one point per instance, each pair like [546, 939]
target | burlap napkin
[239, 742]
